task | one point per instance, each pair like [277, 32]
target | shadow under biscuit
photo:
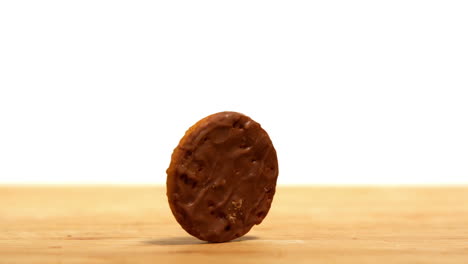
[188, 240]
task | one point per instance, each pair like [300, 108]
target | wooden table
[133, 224]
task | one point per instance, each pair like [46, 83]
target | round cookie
[222, 177]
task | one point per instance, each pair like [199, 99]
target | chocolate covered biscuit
[222, 177]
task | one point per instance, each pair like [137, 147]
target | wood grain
[105, 224]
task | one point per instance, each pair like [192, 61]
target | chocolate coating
[222, 177]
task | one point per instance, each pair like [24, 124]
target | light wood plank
[133, 224]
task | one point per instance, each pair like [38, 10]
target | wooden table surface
[133, 224]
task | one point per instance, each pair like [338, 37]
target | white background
[350, 92]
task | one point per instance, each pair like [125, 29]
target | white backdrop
[350, 92]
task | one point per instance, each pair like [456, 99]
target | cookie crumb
[237, 204]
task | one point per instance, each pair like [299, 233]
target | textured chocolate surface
[222, 177]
